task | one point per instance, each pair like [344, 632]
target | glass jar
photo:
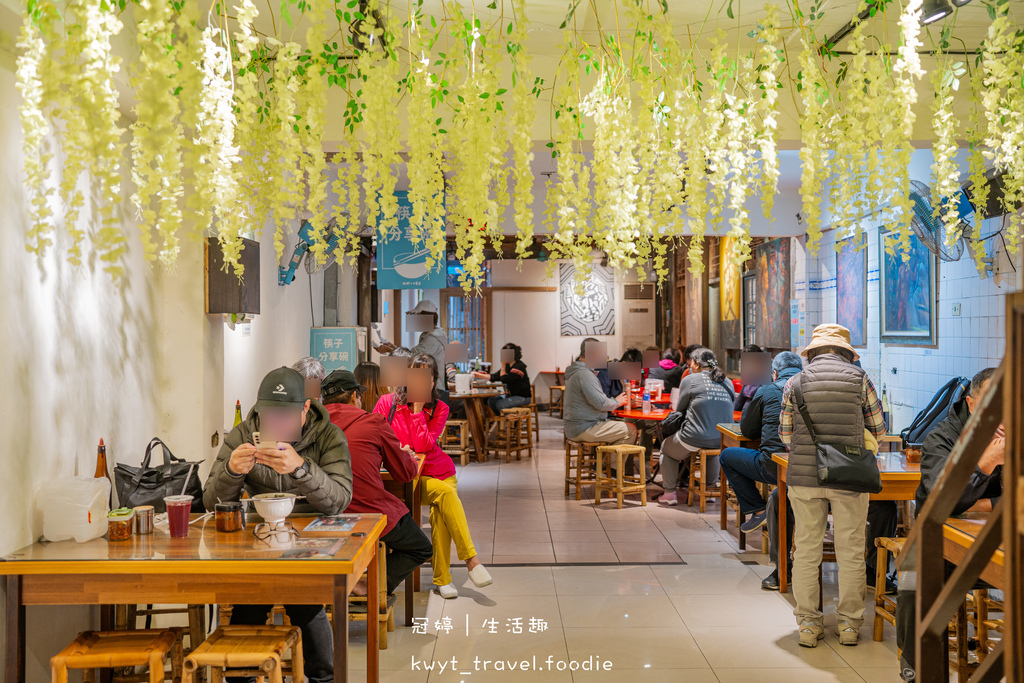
[119, 524]
[229, 517]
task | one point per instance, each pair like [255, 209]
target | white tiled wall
[972, 341]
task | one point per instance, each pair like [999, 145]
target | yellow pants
[447, 523]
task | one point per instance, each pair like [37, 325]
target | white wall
[531, 319]
[85, 359]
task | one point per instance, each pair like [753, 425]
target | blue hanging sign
[402, 264]
[337, 348]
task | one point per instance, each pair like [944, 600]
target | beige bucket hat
[830, 334]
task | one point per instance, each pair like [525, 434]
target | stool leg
[640, 461]
[156, 669]
[703, 483]
[568, 468]
[59, 672]
[881, 564]
[177, 660]
[298, 663]
[579, 472]
[216, 674]
[618, 480]
[597, 480]
[88, 676]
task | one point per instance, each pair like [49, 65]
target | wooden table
[476, 407]
[559, 375]
[732, 437]
[899, 482]
[656, 414]
[958, 535]
[206, 568]
[409, 493]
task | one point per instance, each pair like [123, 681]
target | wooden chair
[248, 651]
[885, 606]
[984, 623]
[126, 618]
[620, 483]
[455, 439]
[385, 609]
[552, 403]
[93, 650]
[580, 456]
[514, 433]
[699, 478]
[535, 409]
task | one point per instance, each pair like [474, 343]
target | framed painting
[592, 312]
[907, 293]
[852, 287]
[773, 289]
[730, 288]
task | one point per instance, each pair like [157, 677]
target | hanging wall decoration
[730, 285]
[591, 312]
[773, 285]
[852, 287]
[907, 292]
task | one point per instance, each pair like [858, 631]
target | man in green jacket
[315, 465]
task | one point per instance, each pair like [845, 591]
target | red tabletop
[658, 414]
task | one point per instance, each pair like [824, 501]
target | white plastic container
[463, 383]
[74, 507]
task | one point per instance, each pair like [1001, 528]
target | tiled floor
[701, 618]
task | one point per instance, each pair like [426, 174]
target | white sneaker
[480, 576]
[448, 591]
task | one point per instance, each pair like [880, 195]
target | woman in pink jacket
[420, 425]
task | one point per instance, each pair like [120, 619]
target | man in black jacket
[986, 485]
[980, 495]
[745, 467]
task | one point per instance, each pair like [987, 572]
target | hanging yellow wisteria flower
[945, 170]
[34, 127]
[156, 134]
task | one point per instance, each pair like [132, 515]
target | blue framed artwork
[907, 293]
[852, 287]
[401, 264]
[337, 348]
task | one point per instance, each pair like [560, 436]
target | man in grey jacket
[317, 465]
[585, 406]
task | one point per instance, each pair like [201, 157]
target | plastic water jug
[74, 507]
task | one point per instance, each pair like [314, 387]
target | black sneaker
[756, 521]
[771, 582]
[891, 588]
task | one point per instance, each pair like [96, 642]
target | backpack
[936, 411]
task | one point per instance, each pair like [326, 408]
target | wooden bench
[93, 650]
[248, 651]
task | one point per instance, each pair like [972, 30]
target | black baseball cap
[340, 381]
[281, 388]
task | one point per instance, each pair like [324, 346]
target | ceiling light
[960, 3]
[934, 11]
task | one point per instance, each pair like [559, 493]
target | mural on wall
[773, 285]
[852, 287]
[731, 288]
[907, 293]
[593, 313]
[693, 332]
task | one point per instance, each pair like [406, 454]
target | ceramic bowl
[274, 507]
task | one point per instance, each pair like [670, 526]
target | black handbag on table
[843, 467]
[145, 485]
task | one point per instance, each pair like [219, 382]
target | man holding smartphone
[287, 444]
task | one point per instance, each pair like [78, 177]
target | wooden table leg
[725, 507]
[417, 516]
[475, 417]
[14, 648]
[783, 540]
[373, 625]
[410, 500]
[108, 619]
[341, 627]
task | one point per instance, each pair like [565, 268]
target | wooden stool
[583, 460]
[552, 404]
[535, 409]
[248, 651]
[386, 613]
[455, 439]
[621, 484]
[699, 473]
[117, 649]
[885, 606]
[513, 433]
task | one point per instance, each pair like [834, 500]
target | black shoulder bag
[843, 467]
[145, 485]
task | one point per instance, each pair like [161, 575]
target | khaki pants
[849, 516]
[612, 432]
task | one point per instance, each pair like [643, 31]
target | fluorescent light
[960, 3]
